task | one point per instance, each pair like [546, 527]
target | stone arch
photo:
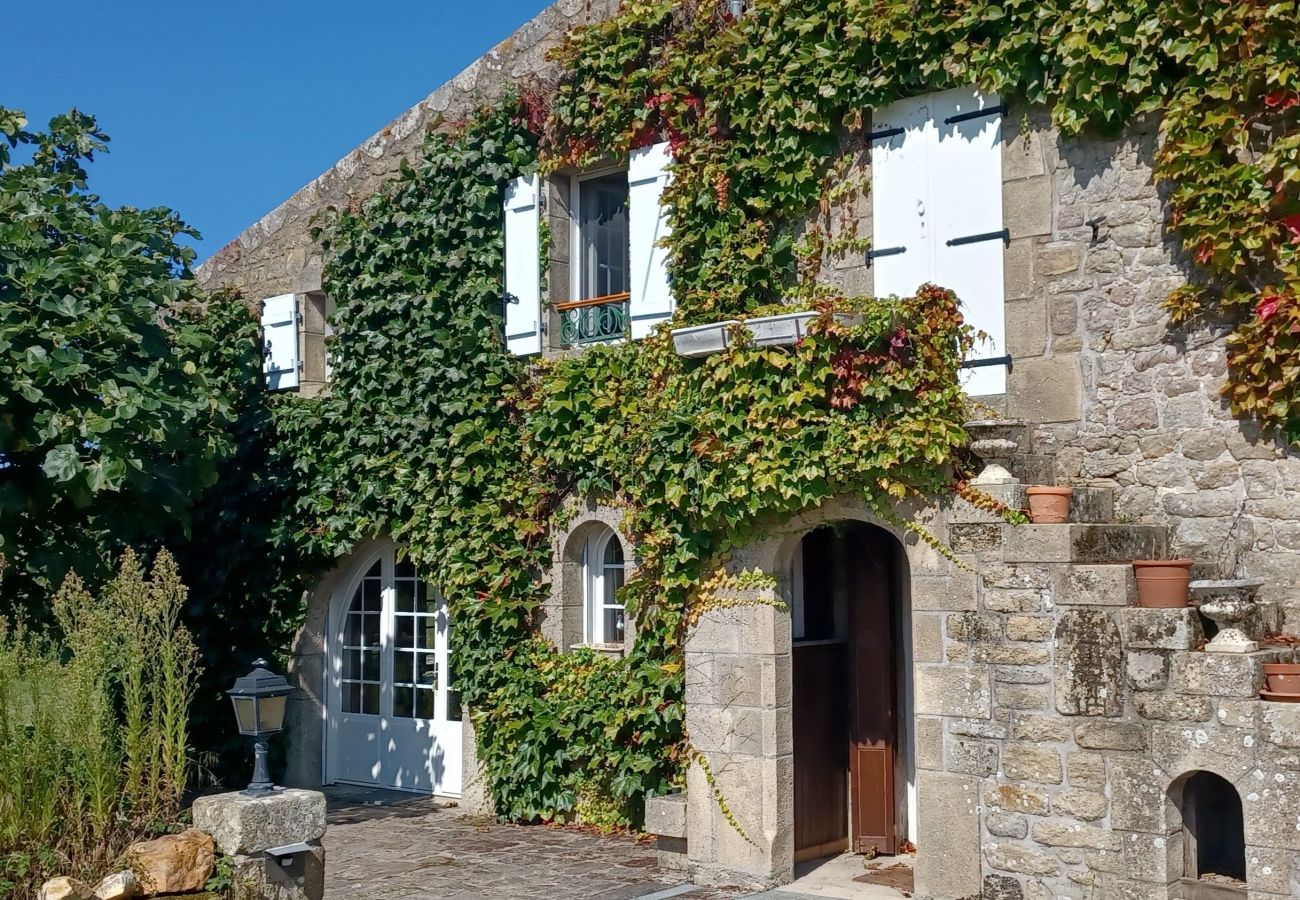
[562, 614]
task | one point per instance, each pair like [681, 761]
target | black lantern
[259, 699]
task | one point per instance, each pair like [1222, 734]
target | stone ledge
[665, 816]
[241, 824]
[1082, 543]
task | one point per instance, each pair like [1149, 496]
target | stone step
[1087, 504]
[1083, 543]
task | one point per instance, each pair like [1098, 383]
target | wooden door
[873, 728]
[821, 709]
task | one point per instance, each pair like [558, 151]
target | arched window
[603, 570]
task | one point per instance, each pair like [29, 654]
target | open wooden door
[873, 733]
[821, 707]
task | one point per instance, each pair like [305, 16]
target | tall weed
[93, 726]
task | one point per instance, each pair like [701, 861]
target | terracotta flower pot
[1283, 678]
[1049, 505]
[1162, 583]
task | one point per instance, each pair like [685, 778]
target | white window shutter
[523, 282]
[901, 253]
[652, 299]
[280, 341]
[969, 240]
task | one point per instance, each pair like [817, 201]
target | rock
[65, 888]
[174, 863]
[119, 886]
[1089, 670]
[1027, 762]
[241, 824]
[1081, 804]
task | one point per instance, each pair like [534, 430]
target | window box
[703, 340]
[766, 331]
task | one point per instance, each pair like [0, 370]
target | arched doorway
[1214, 836]
[849, 638]
[393, 711]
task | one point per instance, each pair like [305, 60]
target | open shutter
[652, 299]
[280, 341]
[901, 255]
[969, 236]
[523, 287]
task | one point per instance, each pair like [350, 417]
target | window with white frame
[603, 572]
[601, 232]
[619, 266]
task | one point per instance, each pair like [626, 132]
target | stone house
[1017, 719]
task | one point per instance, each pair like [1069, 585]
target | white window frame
[577, 270]
[594, 573]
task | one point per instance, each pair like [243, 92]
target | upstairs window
[602, 220]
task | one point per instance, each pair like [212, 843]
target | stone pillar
[738, 717]
[273, 842]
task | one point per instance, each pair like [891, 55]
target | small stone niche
[1214, 839]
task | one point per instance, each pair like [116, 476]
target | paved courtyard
[383, 845]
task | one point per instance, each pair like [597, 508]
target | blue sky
[221, 109]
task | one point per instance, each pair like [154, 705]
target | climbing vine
[433, 435]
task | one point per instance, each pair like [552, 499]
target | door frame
[385, 552]
[902, 776]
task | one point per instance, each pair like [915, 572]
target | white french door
[394, 717]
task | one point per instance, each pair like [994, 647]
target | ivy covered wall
[434, 436]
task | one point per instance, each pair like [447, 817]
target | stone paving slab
[384, 845]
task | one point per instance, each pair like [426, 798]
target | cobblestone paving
[382, 845]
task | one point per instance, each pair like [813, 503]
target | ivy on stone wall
[433, 435]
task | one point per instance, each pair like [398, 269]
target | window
[603, 571]
[602, 205]
[403, 615]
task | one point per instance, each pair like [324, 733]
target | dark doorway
[847, 579]
[1214, 839]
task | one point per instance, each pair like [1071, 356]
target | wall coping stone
[244, 824]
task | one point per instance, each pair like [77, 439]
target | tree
[109, 430]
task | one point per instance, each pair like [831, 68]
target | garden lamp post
[259, 699]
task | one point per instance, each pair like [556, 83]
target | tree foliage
[109, 432]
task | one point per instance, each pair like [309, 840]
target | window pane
[352, 698]
[426, 600]
[405, 596]
[370, 699]
[453, 706]
[372, 595]
[603, 233]
[352, 630]
[614, 552]
[613, 581]
[405, 626]
[370, 665]
[424, 698]
[428, 632]
[371, 637]
[428, 669]
[613, 626]
[403, 667]
[403, 702]
[404, 569]
[352, 664]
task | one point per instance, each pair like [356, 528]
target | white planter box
[767, 331]
[702, 340]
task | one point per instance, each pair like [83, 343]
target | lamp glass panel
[270, 714]
[246, 714]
